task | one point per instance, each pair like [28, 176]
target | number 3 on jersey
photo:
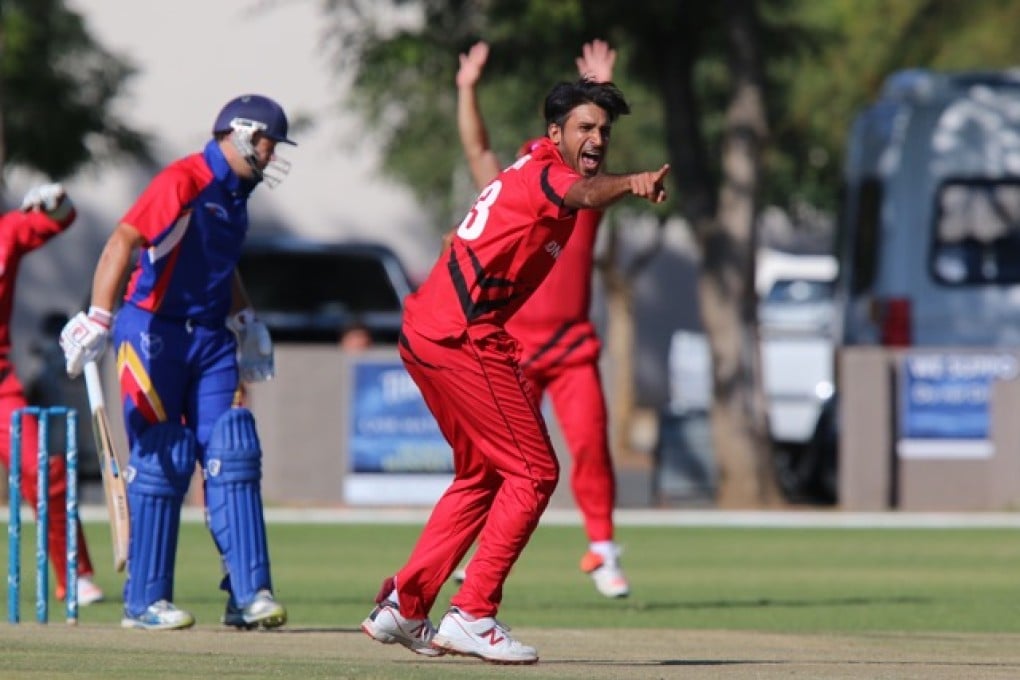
[474, 223]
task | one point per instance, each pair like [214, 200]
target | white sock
[605, 549]
[394, 596]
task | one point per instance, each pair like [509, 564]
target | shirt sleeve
[554, 180]
[32, 229]
[159, 206]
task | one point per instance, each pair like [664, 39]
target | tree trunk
[726, 284]
[619, 347]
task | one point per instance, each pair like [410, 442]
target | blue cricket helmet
[267, 115]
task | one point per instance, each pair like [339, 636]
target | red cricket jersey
[20, 233]
[554, 328]
[501, 252]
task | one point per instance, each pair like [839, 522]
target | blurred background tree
[57, 90]
[749, 100]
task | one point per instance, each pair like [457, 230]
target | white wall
[192, 56]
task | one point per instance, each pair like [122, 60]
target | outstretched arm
[474, 138]
[596, 61]
[603, 190]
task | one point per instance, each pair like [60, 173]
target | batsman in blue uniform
[185, 338]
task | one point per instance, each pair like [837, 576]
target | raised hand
[596, 61]
[50, 199]
[471, 64]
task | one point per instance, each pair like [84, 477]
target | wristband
[100, 316]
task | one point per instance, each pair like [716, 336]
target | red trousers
[577, 397]
[505, 469]
[11, 399]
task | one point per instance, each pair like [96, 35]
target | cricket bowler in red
[45, 212]
[455, 346]
[560, 346]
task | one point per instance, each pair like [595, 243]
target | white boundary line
[774, 519]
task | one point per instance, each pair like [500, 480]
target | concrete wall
[874, 475]
[302, 415]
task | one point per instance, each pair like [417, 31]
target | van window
[865, 233]
[977, 233]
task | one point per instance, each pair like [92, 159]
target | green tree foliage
[845, 51]
[403, 84]
[58, 87]
[824, 60]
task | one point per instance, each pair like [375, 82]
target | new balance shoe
[88, 592]
[485, 638]
[160, 615]
[263, 611]
[386, 625]
[606, 573]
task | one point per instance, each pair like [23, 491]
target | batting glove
[84, 338]
[254, 347]
[49, 198]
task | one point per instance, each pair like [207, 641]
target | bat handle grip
[94, 386]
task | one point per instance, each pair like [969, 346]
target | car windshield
[799, 291]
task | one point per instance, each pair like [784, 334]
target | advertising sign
[396, 453]
[944, 403]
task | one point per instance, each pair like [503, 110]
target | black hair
[565, 97]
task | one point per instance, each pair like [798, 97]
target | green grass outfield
[860, 583]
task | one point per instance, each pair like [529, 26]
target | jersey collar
[224, 175]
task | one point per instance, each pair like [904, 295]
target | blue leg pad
[233, 500]
[161, 465]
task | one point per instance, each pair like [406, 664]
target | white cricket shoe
[485, 638]
[263, 611]
[160, 615]
[606, 573]
[386, 625]
[88, 591]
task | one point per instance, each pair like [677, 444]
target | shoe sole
[265, 622]
[138, 625]
[613, 594]
[368, 627]
[447, 646]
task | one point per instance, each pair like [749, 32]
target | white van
[928, 243]
[795, 338]
[929, 238]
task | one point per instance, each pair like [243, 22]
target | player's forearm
[474, 138]
[112, 269]
[603, 190]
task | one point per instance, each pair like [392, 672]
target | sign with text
[944, 403]
[396, 453]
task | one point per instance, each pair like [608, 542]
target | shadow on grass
[757, 603]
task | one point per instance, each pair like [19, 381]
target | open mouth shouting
[591, 160]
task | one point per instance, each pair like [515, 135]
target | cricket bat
[109, 463]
